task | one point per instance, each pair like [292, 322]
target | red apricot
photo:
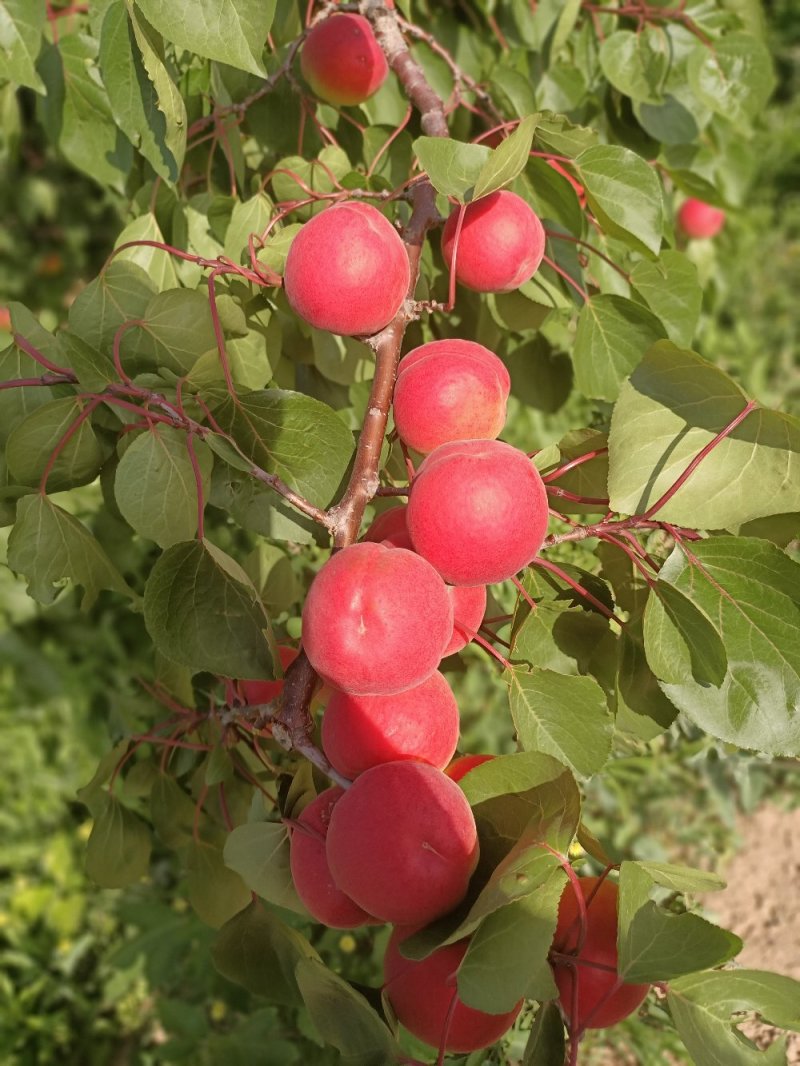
[469, 607]
[601, 999]
[402, 842]
[698, 219]
[477, 511]
[376, 620]
[264, 691]
[460, 767]
[347, 270]
[421, 723]
[309, 865]
[580, 192]
[500, 246]
[450, 390]
[390, 527]
[422, 992]
[342, 61]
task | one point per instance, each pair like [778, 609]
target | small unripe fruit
[403, 843]
[450, 390]
[500, 246]
[599, 1003]
[376, 620]
[421, 994]
[359, 732]
[347, 270]
[342, 61]
[264, 691]
[460, 767]
[698, 219]
[477, 511]
[309, 865]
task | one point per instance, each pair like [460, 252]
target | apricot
[450, 390]
[376, 620]
[421, 994]
[600, 1001]
[500, 246]
[264, 691]
[347, 270]
[698, 219]
[580, 192]
[477, 511]
[390, 527]
[469, 607]
[309, 866]
[402, 842]
[421, 723]
[342, 61]
[460, 767]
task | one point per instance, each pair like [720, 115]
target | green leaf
[507, 161]
[294, 436]
[118, 849]
[259, 853]
[157, 263]
[145, 101]
[671, 289]
[635, 64]
[734, 78]
[49, 547]
[31, 443]
[77, 114]
[230, 32]
[176, 330]
[613, 335]
[94, 371]
[565, 716]
[675, 404]
[21, 26]
[252, 216]
[565, 25]
[452, 166]
[172, 813]
[546, 1044]
[343, 1018]
[201, 610]
[121, 292]
[625, 195]
[705, 1009]
[257, 951]
[215, 892]
[678, 631]
[507, 957]
[155, 485]
[751, 591]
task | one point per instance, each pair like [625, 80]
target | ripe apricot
[347, 270]
[342, 61]
[602, 1000]
[698, 219]
[460, 767]
[264, 691]
[421, 994]
[477, 511]
[309, 865]
[450, 390]
[390, 527]
[376, 620]
[421, 723]
[500, 246]
[402, 842]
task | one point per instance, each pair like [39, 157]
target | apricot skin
[460, 767]
[450, 390]
[697, 219]
[347, 270]
[402, 842]
[390, 527]
[309, 865]
[421, 994]
[264, 691]
[376, 620]
[500, 246]
[342, 61]
[421, 723]
[595, 1006]
[477, 511]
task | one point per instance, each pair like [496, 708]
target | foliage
[179, 449]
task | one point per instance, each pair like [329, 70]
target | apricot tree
[467, 210]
